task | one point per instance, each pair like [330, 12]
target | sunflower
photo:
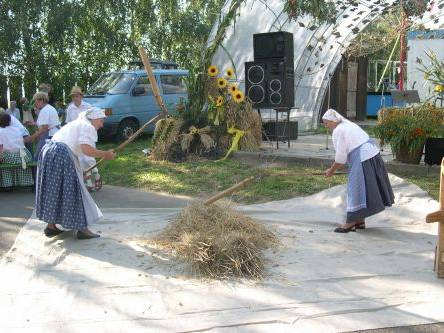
[219, 101]
[213, 71]
[230, 73]
[439, 88]
[221, 82]
[238, 96]
[232, 88]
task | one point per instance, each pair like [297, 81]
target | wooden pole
[228, 191]
[156, 93]
[438, 216]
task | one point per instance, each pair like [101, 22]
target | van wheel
[127, 127]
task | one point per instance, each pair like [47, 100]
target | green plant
[408, 128]
[433, 72]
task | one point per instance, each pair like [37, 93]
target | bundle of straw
[218, 242]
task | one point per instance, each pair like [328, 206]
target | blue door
[143, 103]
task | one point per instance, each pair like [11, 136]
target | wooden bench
[438, 216]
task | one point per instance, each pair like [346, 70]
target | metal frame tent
[318, 48]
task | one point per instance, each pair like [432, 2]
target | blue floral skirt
[59, 193]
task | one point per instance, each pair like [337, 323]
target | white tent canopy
[317, 48]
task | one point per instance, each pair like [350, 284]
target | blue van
[128, 99]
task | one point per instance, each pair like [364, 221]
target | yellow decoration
[213, 71]
[193, 130]
[219, 101]
[238, 134]
[232, 88]
[230, 73]
[221, 82]
[238, 96]
[439, 88]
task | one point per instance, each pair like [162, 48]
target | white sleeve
[68, 114]
[87, 135]
[43, 118]
[340, 145]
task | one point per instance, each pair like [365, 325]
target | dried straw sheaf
[218, 242]
[165, 139]
[247, 120]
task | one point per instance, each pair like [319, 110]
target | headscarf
[332, 115]
[93, 113]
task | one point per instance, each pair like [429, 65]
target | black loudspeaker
[269, 83]
[273, 45]
[284, 130]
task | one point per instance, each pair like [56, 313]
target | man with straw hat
[368, 187]
[77, 105]
[61, 196]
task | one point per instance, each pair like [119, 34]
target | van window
[173, 84]
[145, 83]
[112, 83]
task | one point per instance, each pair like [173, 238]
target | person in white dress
[368, 188]
[77, 105]
[61, 196]
[48, 122]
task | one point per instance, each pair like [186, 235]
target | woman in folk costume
[368, 187]
[61, 196]
[47, 121]
[13, 151]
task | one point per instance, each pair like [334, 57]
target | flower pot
[405, 156]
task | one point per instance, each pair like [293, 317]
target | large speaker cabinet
[269, 83]
[273, 45]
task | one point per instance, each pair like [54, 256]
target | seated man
[13, 152]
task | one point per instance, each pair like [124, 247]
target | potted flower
[406, 129]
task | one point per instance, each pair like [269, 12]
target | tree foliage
[67, 42]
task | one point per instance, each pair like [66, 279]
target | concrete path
[318, 281]
[17, 206]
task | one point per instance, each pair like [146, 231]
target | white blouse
[73, 111]
[11, 138]
[76, 133]
[16, 123]
[48, 116]
[348, 136]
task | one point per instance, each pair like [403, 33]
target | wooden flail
[438, 216]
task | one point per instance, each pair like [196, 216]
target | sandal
[86, 235]
[343, 230]
[360, 225]
[50, 232]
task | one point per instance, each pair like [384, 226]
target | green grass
[204, 178]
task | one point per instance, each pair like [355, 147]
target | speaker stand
[286, 128]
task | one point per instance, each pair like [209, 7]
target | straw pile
[166, 145]
[218, 242]
[247, 120]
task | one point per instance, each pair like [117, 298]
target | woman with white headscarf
[368, 187]
[61, 195]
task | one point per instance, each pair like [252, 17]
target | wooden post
[438, 216]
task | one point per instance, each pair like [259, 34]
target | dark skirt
[58, 194]
[379, 193]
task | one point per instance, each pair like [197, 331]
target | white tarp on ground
[318, 281]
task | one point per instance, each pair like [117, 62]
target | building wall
[418, 43]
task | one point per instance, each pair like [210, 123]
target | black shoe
[49, 232]
[84, 235]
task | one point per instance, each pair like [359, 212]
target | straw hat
[76, 91]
